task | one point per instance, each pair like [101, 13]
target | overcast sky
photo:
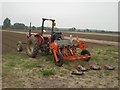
[92, 15]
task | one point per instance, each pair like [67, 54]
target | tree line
[7, 25]
[21, 26]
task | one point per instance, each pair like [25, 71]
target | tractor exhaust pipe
[71, 38]
[42, 26]
[30, 30]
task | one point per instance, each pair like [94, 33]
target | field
[21, 71]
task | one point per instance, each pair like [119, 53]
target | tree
[19, 26]
[7, 23]
[33, 28]
[39, 28]
[72, 29]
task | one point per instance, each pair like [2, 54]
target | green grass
[100, 55]
[11, 61]
[103, 55]
[64, 72]
[49, 57]
[19, 66]
[29, 65]
[47, 73]
[106, 73]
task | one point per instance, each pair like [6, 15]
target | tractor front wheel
[19, 46]
[61, 59]
[32, 47]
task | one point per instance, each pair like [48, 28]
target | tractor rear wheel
[32, 47]
[84, 52]
[19, 46]
[61, 59]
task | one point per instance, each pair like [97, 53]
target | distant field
[95, 36]
[86, 35]
[21, 71]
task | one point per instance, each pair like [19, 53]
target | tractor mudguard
[40, 39]
[38, 36]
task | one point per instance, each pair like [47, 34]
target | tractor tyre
[19, 46]
[32, 47]
[86, 52]
[61, 59]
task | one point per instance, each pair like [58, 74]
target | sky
[82, 15]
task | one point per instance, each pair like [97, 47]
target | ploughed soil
[21, 71]
[9, 41]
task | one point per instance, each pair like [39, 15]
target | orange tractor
[61, 49]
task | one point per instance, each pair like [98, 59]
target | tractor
[62, 49]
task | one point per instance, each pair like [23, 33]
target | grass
[106, 73]
[64, 71]
[11, 61]
[44, 67]
[100, 56]
[47, 73]
[104, 55]
[29, 65]
[49, 57]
